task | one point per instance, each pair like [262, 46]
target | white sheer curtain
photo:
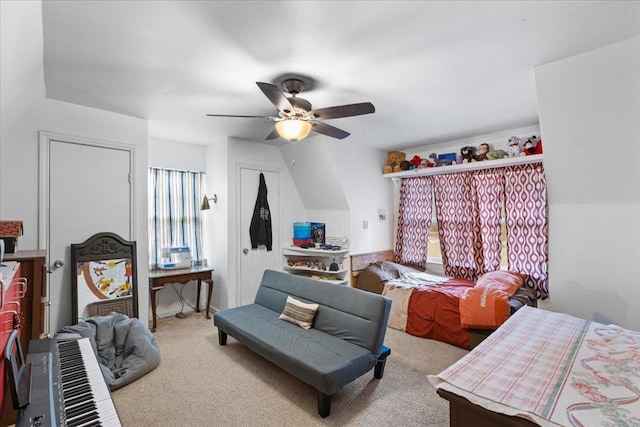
[174, 212]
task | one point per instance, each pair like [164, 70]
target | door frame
[276, 240]
[44, 179]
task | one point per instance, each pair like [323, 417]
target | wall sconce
[382, 214]
[205, 202]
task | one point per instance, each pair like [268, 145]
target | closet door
[253, 262]
[88, 191]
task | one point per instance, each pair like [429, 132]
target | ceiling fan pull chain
[293, 161]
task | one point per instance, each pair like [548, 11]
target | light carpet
[200, 382]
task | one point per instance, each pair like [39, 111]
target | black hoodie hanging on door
[260, 228]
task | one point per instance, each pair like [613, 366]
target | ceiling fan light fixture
[293, 129]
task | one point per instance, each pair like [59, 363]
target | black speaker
[10, 244]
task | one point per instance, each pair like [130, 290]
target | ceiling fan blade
[273, 135]
[329, 130]
[276, 96]
[343, 111]
[242, 117]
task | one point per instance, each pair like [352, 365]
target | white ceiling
[435, 71]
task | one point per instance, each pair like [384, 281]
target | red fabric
[484, 307]
[527, 234]
[434, 312]
[414, 221]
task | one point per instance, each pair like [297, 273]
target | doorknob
[245, 251]
[56, 265]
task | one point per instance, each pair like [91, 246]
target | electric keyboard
[67, 386]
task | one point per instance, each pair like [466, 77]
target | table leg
[210, 286]
[153, 308]
[198, 297]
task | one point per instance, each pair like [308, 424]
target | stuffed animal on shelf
[515, 147]
[467, 153]
[406, 165]
[497, 154]
[415, 161]
[481, 152]
[392, 163]
[533, 146]
[425, 163]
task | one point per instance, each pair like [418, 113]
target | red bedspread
[433, 312]
[427, 306]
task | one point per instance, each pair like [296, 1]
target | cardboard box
[10, 228]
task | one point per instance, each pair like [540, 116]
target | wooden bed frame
[463, 413]
[361, 261]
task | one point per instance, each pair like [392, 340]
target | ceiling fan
[296, 119]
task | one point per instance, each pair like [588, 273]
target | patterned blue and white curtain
[174, 212]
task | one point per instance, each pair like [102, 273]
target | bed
[546, 368]
[431, 305]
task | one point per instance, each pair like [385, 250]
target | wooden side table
[158, 279]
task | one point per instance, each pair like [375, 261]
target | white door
[253, 262]
[88, 191]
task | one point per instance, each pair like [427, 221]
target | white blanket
[399, 291]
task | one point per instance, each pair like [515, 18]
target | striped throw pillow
[299, 313]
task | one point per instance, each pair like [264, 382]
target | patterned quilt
[553, 369]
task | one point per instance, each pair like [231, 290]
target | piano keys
[67, 386]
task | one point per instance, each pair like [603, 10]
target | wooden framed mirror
[105, 277]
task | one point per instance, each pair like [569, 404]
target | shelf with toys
[316, 263]
[535, 158]
[469, 158]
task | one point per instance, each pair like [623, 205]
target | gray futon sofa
[344, 342]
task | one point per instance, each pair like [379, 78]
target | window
[174, 212]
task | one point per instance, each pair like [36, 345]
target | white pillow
[299, 313]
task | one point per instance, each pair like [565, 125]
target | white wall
[315, 174]
[215, 222]
[589, 107]
[22, 71]
[359, 170]
[168, 154]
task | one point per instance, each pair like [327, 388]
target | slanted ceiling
[314, 173]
